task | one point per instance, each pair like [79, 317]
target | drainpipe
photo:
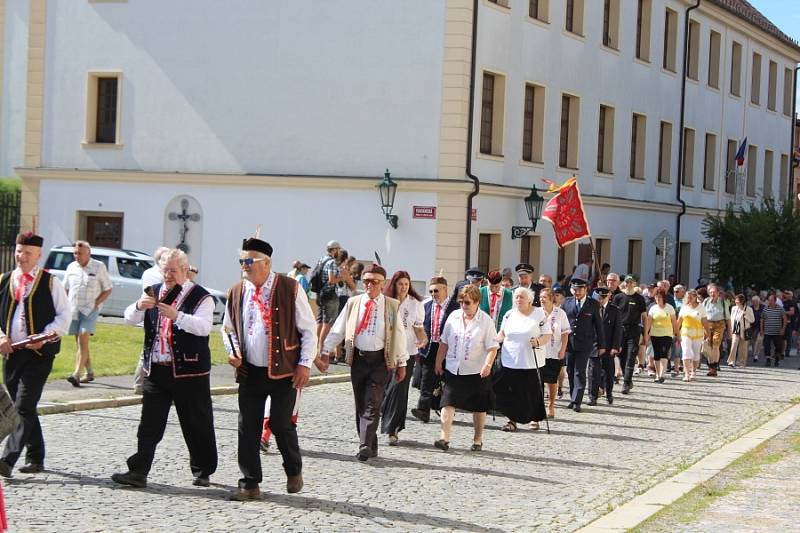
[471, 116]
[682, 140]
[792, 140]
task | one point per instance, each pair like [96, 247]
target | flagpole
[594, 262]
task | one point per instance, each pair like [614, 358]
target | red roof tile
[745, 11]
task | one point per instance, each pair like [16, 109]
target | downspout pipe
[476, 183]
[792, 140]
[681, 133]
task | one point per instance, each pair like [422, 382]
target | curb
[123, 401]
[642, 507]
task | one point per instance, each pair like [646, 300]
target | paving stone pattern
[523, 481]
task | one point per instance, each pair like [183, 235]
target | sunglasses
[465, 302]
[433, 291]
[249, 261]
[372, 281]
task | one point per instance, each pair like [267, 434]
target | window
[539, 10]
[769, 161]
[605, 140]
[693, 68]
[755, 80]
[492, 110]
[611, 24]
[503, 3]
[574, 17]
[488, 251]
[706, 261]
[772, 86]
[713, 59]
[643, 29]
[688, 157]
[684, 262]
[709, 166]
[736, 69]
[533, 124]
[568, 138]
[752, 161]
[102, 109]
[787, 92]
[665, 153]
[783, 185]
[638, 139]
[730, 167]
[670, 39]
[635, 257]
[529, 250]
[132, 268]
[602, 250]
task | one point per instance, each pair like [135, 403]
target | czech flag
[740, 152]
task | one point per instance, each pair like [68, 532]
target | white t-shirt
[412, 313]
[467, 346]
[558, 322]
[519, 329]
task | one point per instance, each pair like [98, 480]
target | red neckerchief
[266, 311]
[23, 280]
[437, 318]
[367, 314]
[165, 333]
[493, 303]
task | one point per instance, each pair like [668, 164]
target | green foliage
[9, 185]
[756, 246]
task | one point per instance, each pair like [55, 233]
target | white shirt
[373, 338]
[84, 284]
[519, 329]
[60, 323]
[198, 323]
[152, 276]
[559, 324]
[412, 314]
[256, 339]
[467, 345]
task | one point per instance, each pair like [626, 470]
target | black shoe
[32, 468]
[626, 389]
[74, 380]
[264, 446]
[421, 415]
[570, 405]
[201, 481]
[577, 408]
[768, 362]
[129, 478]
[5, 469]
[442, 445]
[365, 453]
[476, 447]
[592, 402]
[610, 399]
[560, 393]
[777, 364]
[661, 379]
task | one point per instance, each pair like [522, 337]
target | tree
[756, 246]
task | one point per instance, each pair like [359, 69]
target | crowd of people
[488, 344]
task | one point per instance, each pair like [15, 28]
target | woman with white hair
[692, 327]
[524, 334]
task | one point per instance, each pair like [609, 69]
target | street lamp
[387, 189]
[533, 206]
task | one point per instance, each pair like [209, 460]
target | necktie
[602, 312]
[367, 315]
[23, 280]
[578, 305]
[437, 318]
[165, 333]
[493, 305]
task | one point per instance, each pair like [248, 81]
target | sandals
[510, 427]
[560, 393]
[476, 447]
[393, 440]
[535, 425]
[442, 445]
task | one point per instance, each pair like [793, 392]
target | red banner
[565, 212]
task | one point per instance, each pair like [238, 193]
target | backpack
[316, 283]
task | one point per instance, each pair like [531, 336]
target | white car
[125, 268]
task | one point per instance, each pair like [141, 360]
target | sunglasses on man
[249, 261]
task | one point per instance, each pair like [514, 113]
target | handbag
[9, 417]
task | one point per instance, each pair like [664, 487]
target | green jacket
[505, 305]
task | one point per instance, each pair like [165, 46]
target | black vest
[39, 307]
[190, 353]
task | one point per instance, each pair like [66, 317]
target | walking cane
[541, 384]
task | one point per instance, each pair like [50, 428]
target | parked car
[125, 268]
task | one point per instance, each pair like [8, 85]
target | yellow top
[661, 323]
[692, 325]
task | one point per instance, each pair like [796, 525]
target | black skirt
[551, 370]
[395, 401]
[519, 395]
[468, 392]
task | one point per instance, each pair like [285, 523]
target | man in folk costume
[375, 343]
[177, 364]
[270, 334]
[496, 300]
[435, 317]
[31, 302]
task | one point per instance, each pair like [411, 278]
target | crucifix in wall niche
[184, 217]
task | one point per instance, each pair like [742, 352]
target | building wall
[281, 87]
[13, 79]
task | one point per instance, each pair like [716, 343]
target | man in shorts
[327, 300]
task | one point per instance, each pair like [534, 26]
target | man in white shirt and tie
[374, 345]
[435, 318]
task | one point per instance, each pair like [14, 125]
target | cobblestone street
[522, 481]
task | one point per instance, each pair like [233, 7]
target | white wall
[14, 78]
[296, 222]
[280, 87]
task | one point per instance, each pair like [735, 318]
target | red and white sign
[424, 211]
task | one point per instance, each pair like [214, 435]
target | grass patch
[115, 350]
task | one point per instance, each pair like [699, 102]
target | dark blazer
[587, 328]
[427, 323]
[612, 328]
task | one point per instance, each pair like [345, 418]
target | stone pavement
[524, 481]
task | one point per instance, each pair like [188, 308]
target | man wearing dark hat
[31, 302]
[375, 344]
[587, 334]
[601, 367]
[525, 275]
[496, 300]
[269, 333]
[177, 367]
[435, 318]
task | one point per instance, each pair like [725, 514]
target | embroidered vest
[39, 307]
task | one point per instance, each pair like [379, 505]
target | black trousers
[428, 379]
[771, 342]
[576, 372]
[253, 392]
[368, 376]
[192, 399]
[25, 373]
[395, 400]
[601, 374]
[628, 357]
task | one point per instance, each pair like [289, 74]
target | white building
[286, 113]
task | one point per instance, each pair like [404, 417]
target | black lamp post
[533, 206]
[388, 189]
